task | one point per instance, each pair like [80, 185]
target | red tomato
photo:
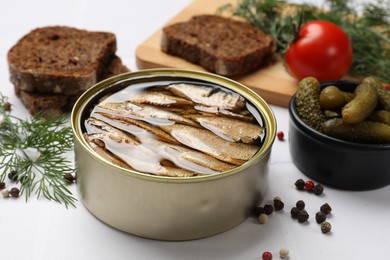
[322, 50]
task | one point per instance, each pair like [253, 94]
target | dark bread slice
[60, 59]
[219, 44]
[56, 104]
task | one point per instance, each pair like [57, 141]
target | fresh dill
[368, 29]
[35, 149]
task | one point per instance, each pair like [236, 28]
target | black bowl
[334, 162]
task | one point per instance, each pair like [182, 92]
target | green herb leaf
[35, 148]
[369, 31]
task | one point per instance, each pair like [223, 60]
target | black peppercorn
[318, 189]
[268, 209]
[303, 216]
[2, 185]
[320, 217]
[300, 204]
[278, 204]
[23, 179]
[300, 184]
[294, 212]
[7, 106]
[258, 210]
[69, 178]
[326, 208]
[14, 192]
[13, 175]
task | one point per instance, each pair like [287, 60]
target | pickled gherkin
[362, 116]
[332, 97]
[307, 103]
[383, 95]
[364, 132]
[364, 103]
[381, 116]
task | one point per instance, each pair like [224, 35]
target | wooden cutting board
[272, 83]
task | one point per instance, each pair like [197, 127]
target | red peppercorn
[267, 256]
[387, 86]
[280, 135]
[309, 185]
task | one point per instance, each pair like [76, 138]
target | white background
[40, 229]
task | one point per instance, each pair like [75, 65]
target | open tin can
[169, 208]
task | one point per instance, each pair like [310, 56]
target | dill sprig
[35, 148]
[368, 30]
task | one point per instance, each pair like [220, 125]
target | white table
[40, 229]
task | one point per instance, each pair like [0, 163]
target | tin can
[167, 208]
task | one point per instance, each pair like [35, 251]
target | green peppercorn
[263, 218]
[300, 204]
[283, 253]
[300, 184]
[326, 227]
[5, 192]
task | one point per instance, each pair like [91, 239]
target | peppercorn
[14, 192]
[280, 135]
[326, 227]
[283, 253]
[326, 208]
[23, 179]
[278, 204]
[294, 212]
[267, 256]
[2, 185]
[7, 106]
[268, 209]
[309, 185]
[300, 204]
[320, 217]
[5, 192]
[13, 175]
[69, 178]
[259, 210]
[318, 189]
[300, 184]
[303, 216]
[263, 218]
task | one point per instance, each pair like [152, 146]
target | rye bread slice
[219, 44]
[60, 59]
[56, 104]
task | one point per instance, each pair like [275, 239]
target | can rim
[253, 97]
